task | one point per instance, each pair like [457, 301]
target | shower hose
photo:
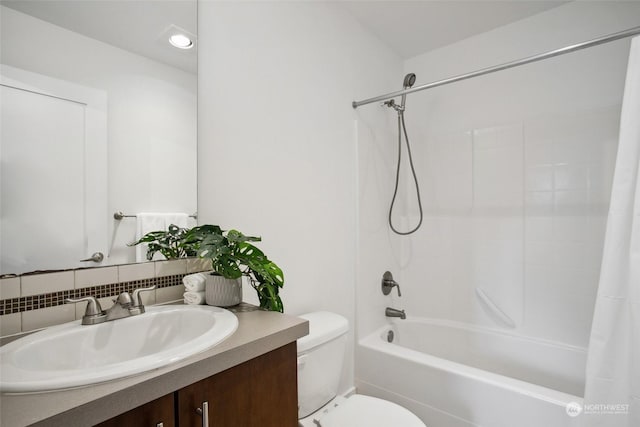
[403, 129]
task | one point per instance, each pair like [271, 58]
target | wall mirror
[98, 116]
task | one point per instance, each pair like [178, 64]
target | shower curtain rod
[539, 57]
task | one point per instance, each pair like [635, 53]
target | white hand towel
[147, 222]
[194, 298]
[178, 218]
[194, 282]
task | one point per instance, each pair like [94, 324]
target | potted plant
[231, 253]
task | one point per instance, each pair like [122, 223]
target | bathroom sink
[74, 355]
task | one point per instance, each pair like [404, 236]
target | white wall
[516, 171]
[151, 117]
[277, 138]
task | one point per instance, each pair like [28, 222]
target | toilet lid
[367, 411]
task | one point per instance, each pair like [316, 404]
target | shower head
[409, 80]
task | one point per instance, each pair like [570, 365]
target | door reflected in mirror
[99, 116]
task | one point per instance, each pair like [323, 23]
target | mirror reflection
[98, 116]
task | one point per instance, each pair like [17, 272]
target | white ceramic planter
[222, 292]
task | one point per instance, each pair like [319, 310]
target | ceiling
[414, 27]
[138, 26]
[408, 27]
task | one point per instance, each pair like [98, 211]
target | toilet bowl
[361, 411]
[320, 357]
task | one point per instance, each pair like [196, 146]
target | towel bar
[119, 215]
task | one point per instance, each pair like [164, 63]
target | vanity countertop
[258, 332]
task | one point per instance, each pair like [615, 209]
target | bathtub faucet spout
[392, 312]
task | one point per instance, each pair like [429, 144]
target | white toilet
[320, 356]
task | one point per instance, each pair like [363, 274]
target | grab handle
[493, 307]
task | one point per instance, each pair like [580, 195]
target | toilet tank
[320, 357]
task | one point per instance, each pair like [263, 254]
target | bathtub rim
[375, 341]
[485, 329]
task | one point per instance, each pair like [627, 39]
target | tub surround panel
[502, 235]
[515, 172]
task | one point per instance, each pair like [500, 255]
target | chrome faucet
[120, 307]
[392, 312]
[123, 306]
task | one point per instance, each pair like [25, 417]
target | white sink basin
[73, 355]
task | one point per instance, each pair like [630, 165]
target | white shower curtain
[612, 391]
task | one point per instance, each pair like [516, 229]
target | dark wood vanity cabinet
[260, 392]
[159, 412]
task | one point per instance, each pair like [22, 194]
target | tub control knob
[388, 283]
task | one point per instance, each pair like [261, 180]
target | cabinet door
[274, 388]
[227, 395]
[158, 413]
[262, 392]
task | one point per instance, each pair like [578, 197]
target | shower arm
[539, 57]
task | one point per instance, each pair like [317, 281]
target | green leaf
[237, 237]
[227, 267]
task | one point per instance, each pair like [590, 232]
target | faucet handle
[388, 283]
[93, 313]
[137, 298]
[93, 306]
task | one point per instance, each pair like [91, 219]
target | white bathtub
[454, 375]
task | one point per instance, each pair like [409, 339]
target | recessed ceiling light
[181, 41]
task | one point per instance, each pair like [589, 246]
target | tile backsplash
[37, 300]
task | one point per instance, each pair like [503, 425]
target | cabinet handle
[204, 412]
